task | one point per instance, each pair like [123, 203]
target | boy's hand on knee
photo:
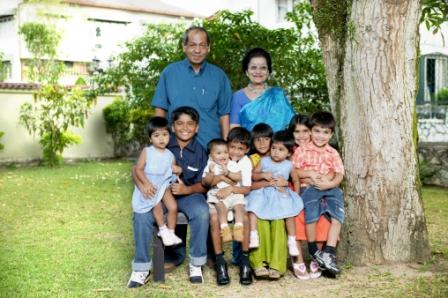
[224, 193]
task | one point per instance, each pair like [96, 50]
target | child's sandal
[300, 271]
[274, 274]
[261, 272]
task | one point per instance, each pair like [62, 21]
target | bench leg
[158, 258]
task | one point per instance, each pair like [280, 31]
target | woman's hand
[148, 190]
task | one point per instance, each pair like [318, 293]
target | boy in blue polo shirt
[190, 198]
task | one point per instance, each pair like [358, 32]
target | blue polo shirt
[208, 91]
[192, 159]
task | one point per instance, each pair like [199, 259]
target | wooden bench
[158, 257]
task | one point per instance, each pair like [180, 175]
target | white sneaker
[292, 248]
[196, 274]
[167, 239]
[174, 237]
[138, 279]
[254, 240]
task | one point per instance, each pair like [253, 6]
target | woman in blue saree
[259, 103]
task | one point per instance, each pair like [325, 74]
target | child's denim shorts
[317, 202]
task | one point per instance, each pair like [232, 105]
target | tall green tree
[55, 108]
[370, 51]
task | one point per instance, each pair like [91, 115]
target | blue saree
[272, 107]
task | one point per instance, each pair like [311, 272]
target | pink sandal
[300, 271]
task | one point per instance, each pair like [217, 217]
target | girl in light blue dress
[276, 201]
[156, 169]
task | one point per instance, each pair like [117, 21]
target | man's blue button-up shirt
[208, 91]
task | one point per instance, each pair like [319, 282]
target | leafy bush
[127, 126]
[442, 95]
[1, 145]
[117, 120]
[425, 170]
[53, 144]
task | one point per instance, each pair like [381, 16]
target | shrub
[1, 145]
[127, 126]
[442, 95]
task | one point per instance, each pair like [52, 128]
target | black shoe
[245, 275]
[327, 261]
[222, 276]
[328, 274]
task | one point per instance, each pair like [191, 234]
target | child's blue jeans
[317, 202]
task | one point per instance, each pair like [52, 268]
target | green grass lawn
[68, 232]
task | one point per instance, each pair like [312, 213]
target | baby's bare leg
[239, 213]
[170, 203]
[157, 211]
[222, 212]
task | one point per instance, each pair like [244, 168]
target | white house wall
[20, 146]
[265, 11]
[434, 43]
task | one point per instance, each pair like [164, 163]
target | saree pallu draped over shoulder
[272, 107]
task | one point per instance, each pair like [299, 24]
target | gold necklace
[256, 91]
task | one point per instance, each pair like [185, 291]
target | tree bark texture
[371, 68]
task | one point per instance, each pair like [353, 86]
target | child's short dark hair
[156, 123]
[215, 142]
[299, 119]
[194, 115]
[261, 130]
[239, 135]
[324, 119]
[284, 137]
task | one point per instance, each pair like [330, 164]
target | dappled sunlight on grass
[67, 231]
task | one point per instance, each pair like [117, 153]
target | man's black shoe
[222, 276]
[245, 275]
[327, 261]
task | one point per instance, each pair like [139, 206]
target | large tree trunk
[370, 50]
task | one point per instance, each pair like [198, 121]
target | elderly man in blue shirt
[196, 83]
